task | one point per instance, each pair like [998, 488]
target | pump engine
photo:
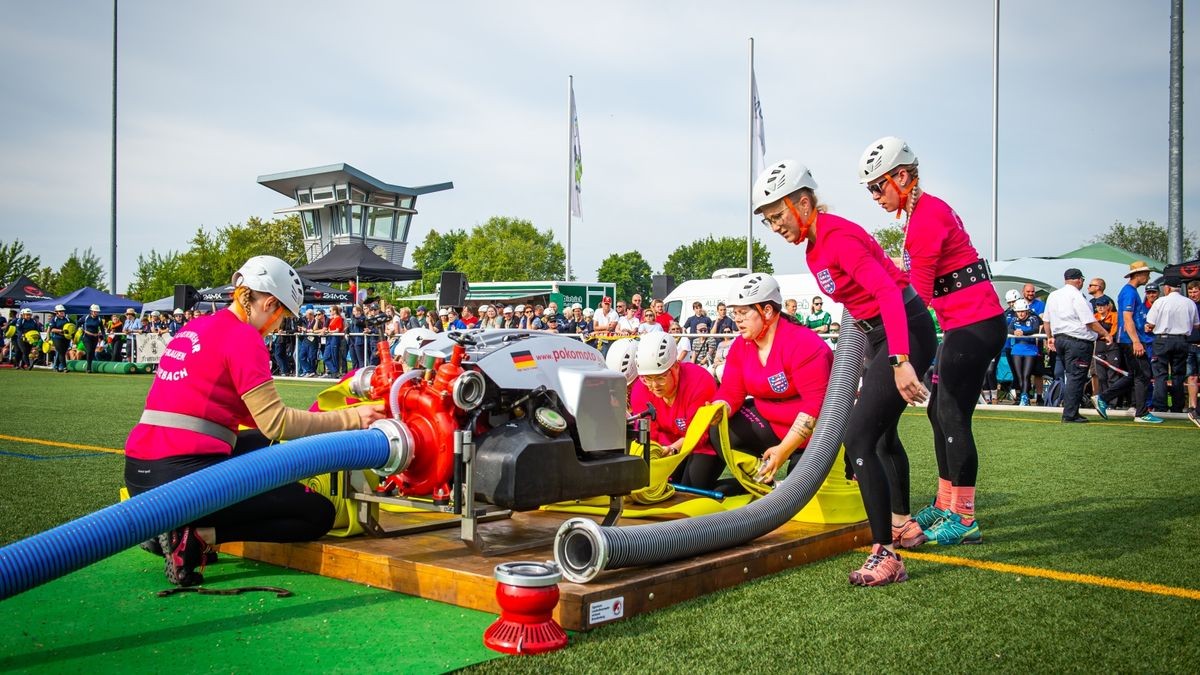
[546, 417]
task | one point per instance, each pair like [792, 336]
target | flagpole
[750, 149]
[570, 172]
[995, 128]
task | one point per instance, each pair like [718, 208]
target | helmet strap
[904, 192]
[804, 226]
[767, 323]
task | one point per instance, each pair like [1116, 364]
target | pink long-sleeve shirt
[852, 269]
[696, 387]
[791, 381]
[936, 244]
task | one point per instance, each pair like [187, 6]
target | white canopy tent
[1046, 274]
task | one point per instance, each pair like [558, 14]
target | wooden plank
[437, 565]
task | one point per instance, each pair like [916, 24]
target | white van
[799, 287]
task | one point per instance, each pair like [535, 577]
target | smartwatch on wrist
[897, 359]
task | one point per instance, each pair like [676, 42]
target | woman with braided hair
[215, 376]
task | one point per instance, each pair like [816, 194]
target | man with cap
[93, 332]
[1072, 329]
[58, 336]
[23, 357]
[1171, 319]
[605, 319]
[1133, 340]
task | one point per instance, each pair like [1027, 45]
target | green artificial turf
[1113, 499]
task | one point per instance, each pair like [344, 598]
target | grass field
[1113, 500]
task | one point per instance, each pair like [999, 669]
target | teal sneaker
[929, 515]
[1148, 418]
[1101, 407]
[950, 531]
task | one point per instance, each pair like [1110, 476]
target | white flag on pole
[576, 163]
[757, 131]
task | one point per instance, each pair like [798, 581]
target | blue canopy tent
[78, 302]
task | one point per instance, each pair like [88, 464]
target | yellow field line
[1072, 577]
[57, 444]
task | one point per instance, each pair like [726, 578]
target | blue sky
[214, 94]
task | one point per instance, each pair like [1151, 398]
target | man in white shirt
[1171, 319]
[1072, 329]
[605, 319]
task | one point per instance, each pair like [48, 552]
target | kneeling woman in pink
[947, 272]
[852, 269]
[214, 376]
[676, 390]
[782, 365]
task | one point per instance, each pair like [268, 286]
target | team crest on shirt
[778, 382]
[826, 280]
[681, 424]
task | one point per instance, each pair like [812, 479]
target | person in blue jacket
[59, 338]
[93, 332]
[1024, 349]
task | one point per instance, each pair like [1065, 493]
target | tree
[629, 271]
[509, 249]
[280, 237]
[433, 257]
[1145, 238]
[156, 276]
[46, 279]
[14, 262]
[891, 239]
[79, 271]
[203, 264]
[699, 259]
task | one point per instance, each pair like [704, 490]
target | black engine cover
[518, 467]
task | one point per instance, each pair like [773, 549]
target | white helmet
[60, 308]
[520, 309]
[882, 156]
[589, 311]
[622, 357]
[484, 308]
[755, 288]
[413, 338]
[177, 312]
[549, 311]
[1021, 305]
[94, 308]
[268, 274]
[657, 352]
[779, 181]
[1012, 295]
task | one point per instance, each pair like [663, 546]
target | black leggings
[1023, 372]
[965, 354]
[871, 441]
[286, 514]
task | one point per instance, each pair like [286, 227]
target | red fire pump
[427, 407]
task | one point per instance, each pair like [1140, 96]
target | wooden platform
[437, 565]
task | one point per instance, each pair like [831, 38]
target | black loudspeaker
[453, 291]
[185, 297]
[661, 286]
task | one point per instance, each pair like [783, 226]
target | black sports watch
[897, 359]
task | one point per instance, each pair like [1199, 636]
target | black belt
[868, 325]
[975, 273]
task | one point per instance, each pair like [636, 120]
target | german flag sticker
[523, 360]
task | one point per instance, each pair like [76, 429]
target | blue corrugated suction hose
[68, 547]
[583, 549]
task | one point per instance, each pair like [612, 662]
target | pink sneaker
[882, 567]
[908, 535]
